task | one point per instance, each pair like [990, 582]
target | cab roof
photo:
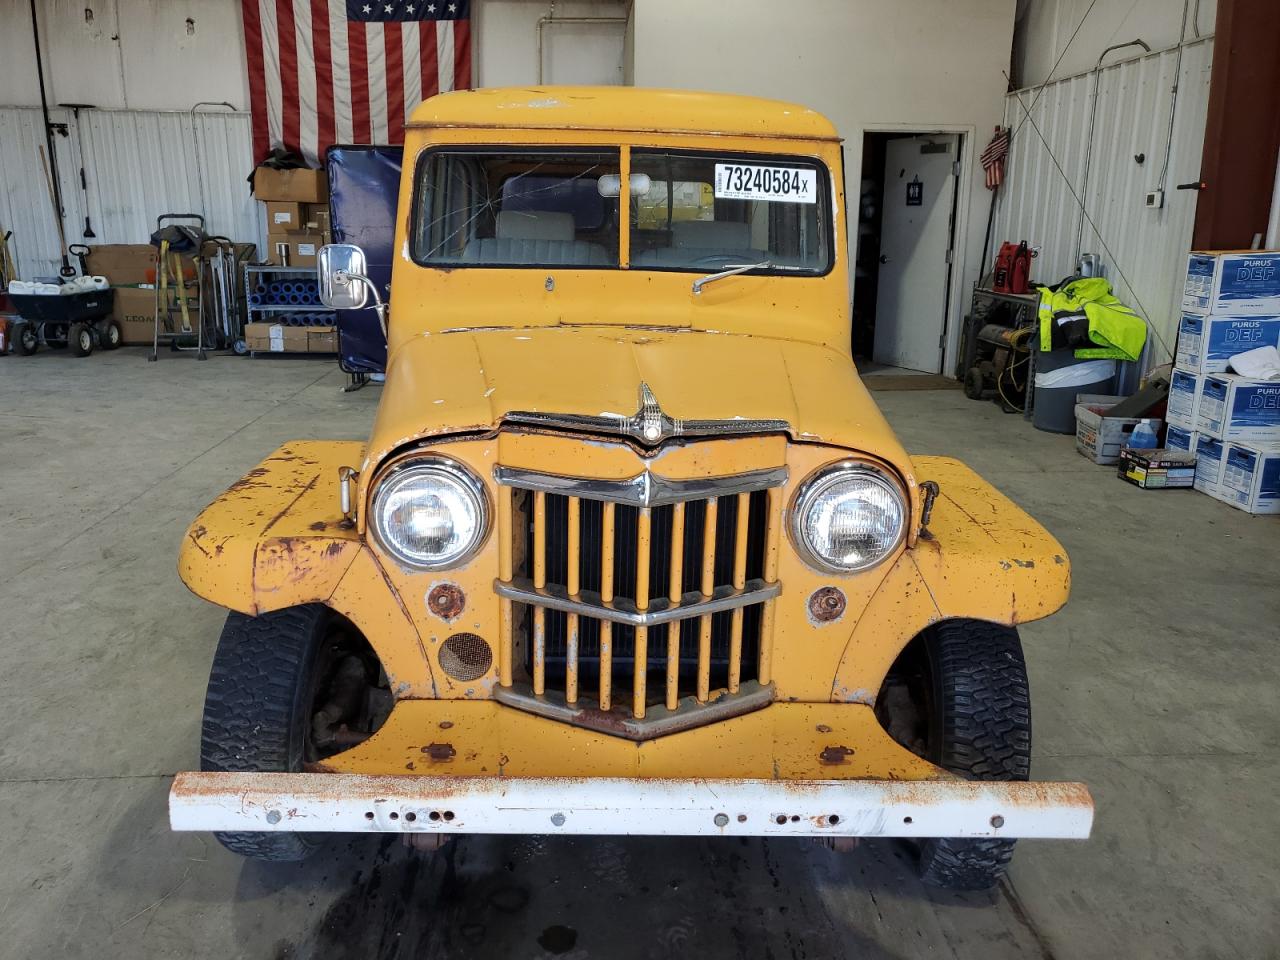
[622, 109]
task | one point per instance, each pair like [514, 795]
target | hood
[464, 381]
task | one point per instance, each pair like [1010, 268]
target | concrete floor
[1157, 686]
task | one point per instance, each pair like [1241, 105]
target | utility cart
[80, 322]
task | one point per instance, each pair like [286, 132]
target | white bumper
[351, 803]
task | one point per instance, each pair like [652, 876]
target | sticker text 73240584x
[736, 181]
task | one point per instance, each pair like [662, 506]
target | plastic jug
[1143, 436]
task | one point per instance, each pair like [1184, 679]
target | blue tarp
[364, 187]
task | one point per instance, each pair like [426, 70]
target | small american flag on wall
[349, 71]
[993, 157]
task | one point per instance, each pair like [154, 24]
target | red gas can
[1012, 273]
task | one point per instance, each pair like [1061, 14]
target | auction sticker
[737, 181]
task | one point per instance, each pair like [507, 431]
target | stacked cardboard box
[296, 207]
[1230, 304]
[282, 338]
[130, 268]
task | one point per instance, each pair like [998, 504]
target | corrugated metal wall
[138, 164]
[1144, 250]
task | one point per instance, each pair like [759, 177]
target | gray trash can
[1059, 378]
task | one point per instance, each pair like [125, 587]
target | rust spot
[446, 724]
[333, 549]
[410, 766]
[823, 728]
[440, 752]
[834, 756]
[826, 604]
[318, 526]
[1025, 564]
[446, 601]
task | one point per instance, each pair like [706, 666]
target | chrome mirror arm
[344, 277]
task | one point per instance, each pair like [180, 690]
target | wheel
[273, 677]
[80, 340]
[109, 335]
[975, 384]
[25, 339]
[55, 336]
[240, 348]
[970, 679]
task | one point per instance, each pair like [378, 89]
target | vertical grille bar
[606, 594]
[641, 675]
[708, 587]
[739, 581]
[506, 638]
[674, 594]
[539, 581]
[764, 671]
[572, 582]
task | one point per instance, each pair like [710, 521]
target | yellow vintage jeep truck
[630, 549]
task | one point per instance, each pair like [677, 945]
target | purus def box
[1157, 469]
[1237, 408]
[1208, 465]
[1184, 399]
[1179, 438]
[1250, 478]
[1237, 282]
[1206, 344]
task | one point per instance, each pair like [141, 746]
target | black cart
[80, 322]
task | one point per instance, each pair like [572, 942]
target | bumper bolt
[557, 819]
[997, 821]
[722, 819]
[273, 816]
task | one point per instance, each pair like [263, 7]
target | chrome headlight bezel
[440, 468]
[818, 483]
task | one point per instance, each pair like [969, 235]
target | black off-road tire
[80, 340]
[26, 339]
[980, 728]
[256, 711]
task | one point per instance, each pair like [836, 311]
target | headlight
[430, 513]
[848, 517]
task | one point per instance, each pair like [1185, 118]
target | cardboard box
[1158, 469]
[1184, 399]
[1237, 408]
[1098, 436]
[322, 339]
[294, 249]
[1232, 282]
[275, 338]
[299, 186]
[1179, 438]
[1206, 344]
[1250, 478]
[128, 264]
[135, 311]
[316, 218]
[1208, 465]
[285, 215]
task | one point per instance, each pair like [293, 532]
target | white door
[915, 237]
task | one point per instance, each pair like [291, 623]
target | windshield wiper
[730, 272]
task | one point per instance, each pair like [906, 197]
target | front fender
[984, 558]
[276, 537]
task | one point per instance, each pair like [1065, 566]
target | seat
[693, 240]
[543, 237]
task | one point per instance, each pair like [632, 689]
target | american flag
[994, 156]
[349, 71]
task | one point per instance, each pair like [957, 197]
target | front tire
[970, 681]
[256, 710]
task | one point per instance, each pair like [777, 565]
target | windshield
[507, 209]
[712, 211]
[696, 212]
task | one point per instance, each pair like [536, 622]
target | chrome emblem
[649, 425]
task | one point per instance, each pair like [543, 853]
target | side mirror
[342, 270]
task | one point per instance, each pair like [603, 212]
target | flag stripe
[271, 55]
[412, 58]
[429, 61]
[359, 73]
[377, 82]
[253, 48]
[308, 118]
[444, 47]
[322, 49]
[461, 52]
[290, 107]
[394, 48]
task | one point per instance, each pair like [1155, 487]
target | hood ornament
[650, 425]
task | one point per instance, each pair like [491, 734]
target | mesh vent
[465, 656]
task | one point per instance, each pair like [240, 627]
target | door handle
[883, 258]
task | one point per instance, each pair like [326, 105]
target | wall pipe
[1088, 143]
[67, 270]
[552, 18]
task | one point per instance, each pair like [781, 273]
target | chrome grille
[633, 605]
